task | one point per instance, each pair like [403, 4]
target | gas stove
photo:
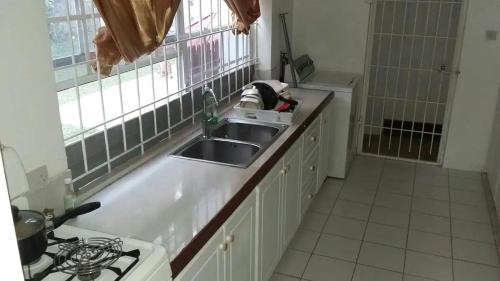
[83, 255]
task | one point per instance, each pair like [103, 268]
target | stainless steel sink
[262, 133]
[222, 151]
[234, 142]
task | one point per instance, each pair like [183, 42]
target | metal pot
[31, 229]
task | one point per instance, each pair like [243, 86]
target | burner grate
[86, 258]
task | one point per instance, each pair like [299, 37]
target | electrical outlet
[38, 178]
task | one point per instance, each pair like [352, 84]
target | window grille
[108, 120]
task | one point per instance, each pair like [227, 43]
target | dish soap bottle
[70, 200]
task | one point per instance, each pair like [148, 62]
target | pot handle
[83, 209]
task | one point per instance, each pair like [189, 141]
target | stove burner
[86, 258]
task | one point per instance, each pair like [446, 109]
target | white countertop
[169, 200]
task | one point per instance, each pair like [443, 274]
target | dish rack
[267, 115]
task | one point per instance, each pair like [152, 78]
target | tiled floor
[395, 221]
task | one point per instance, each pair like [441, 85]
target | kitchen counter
[180, 203]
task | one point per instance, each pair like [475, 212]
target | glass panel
[61, 39]
[68, 111]
[56, 8]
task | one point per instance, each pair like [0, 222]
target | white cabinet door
[269, 217]
[240, 236]
[291, 192]
[325, 143]
[208, 265]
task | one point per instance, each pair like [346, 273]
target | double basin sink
[233, 142]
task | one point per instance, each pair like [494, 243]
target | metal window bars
[219, 53]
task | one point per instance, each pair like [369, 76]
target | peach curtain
[133, 28]
[245, 12]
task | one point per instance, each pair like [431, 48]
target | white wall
[477, 88]
[270, 36]
[493, 163]
[29, 115]
[9, 256]
[332, 32]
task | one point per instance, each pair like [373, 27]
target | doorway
[411, 69]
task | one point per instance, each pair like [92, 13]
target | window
[106, 121]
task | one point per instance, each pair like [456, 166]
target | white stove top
[152, 260]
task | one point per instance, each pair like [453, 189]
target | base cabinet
[269, 193]
[208, 265]
[230, 253]
[279, 210]
[240, 239]
[250, 244]
[325, 143]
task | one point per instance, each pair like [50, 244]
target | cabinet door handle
[283, 171]
[223, 247]
[310, 196]
[230, 238]
[312, 168]
[313, 138]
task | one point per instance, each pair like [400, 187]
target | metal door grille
[409, 77]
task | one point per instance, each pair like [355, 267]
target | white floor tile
[430, 170]
[293, 263]
[387, 235]
[280, 277]
[473, 251]
[423, 190]
[415, 278]
[474, 198]
[431, 207]
[472, 231]
[323, 269]
[465, 271]
[433, 180]
[351, 210]
[357, 195]
[429, 243]
[395, 186]
[345, 227]
[469, 213]
[465, 174]
[466, 184]
[362, 182]
[368, 273]
[381, 256]
[304, 240]
[429, 266]
[390, 216]
[338, 247]
[314, 221]
[391, 200]
[331, 188]
[430, 223]
[322, 204]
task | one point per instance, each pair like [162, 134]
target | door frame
[455, 73]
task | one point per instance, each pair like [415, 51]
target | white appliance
[78, 254]
[347, 88]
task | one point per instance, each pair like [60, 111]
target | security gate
[410, 70]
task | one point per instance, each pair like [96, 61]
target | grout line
[368, 219]
[409, 220]
[451, 234]
[324, 225]
[492, 212]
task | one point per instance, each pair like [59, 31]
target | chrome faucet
[205, 118]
